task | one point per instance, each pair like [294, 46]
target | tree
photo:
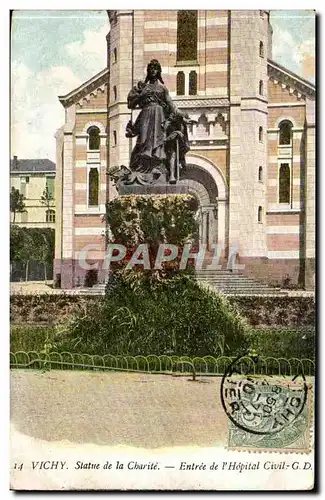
[32, 244]
[17, 203]
[47, 199]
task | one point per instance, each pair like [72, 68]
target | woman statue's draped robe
[149, 158]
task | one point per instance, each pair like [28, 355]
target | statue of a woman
[159, 117]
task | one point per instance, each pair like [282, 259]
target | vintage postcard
[162, 250]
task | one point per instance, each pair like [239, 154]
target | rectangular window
[187, 22]
[284, 183]
[27, 180]
[93, 187]
[22, 189]
[50, 216]
[50, 186]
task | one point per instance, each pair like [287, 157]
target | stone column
[310, 193]
[222, 222]
[58, 203]
[68, 202]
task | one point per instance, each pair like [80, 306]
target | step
[238, 285]
[251, 291]
[230, 280]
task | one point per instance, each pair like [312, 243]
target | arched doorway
[205, 181]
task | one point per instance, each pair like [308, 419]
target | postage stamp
[162, 249]
[267, 412]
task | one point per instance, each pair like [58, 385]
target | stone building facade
[32, 177]
[252, 158]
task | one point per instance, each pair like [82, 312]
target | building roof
[274, 68]
[292, 79]
[89, 86]
[32, 166]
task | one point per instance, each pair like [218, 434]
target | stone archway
[206, 182]
[205, 212]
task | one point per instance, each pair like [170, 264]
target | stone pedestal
[149, 189]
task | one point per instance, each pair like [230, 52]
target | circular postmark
[261, 404]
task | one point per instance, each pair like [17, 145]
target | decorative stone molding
[287, 86]
[282, 118]
[209, 125]
[295, 84]
[204, 102]
[92, 86]
[93, 124]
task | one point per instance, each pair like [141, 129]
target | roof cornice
[285, 76]
[85, 89]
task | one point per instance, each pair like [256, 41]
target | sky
[53, 52]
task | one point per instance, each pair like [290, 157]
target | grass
[277, 342]
[31, 338]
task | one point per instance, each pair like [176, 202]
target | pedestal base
[152, 189]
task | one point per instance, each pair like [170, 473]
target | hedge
[57, 309]
[276, 311]
[284, 342]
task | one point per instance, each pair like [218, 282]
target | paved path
[64, 418]
[118, 408]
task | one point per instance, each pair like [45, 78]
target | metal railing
[197, 366]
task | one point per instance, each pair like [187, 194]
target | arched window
[93, 179]
[187, 35]
[284, 183]
[193, 83]
[94, 139]
[261, 49]
[180, 83]
[50, 215]
[260, 134]
[260, 214]
[285, 136]
[260, 174]
[261, 87]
